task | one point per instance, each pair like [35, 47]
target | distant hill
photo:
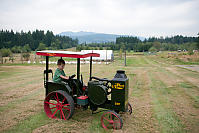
[92, 37]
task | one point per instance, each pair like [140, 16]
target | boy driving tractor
[59, 73]
[65, 92]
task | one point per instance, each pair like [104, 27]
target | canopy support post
[78, 68]
[90, 68]
[47, 60]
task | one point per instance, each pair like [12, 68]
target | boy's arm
[64, 77]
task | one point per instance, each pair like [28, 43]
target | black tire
[129, 109]
[111, 120]
[93, 107]
[59, 99]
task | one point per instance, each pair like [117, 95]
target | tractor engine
[98, 90]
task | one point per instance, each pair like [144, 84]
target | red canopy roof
[66, 54]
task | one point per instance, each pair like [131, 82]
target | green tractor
[62, 98]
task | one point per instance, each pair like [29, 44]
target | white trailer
[105, 55]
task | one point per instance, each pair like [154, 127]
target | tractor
[62, 98]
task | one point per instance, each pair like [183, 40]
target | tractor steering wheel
[72, 76]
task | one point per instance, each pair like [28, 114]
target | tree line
[24, 42]
[37, 39]
[152, 44]
[173, 43]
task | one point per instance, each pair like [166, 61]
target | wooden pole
[125, 58]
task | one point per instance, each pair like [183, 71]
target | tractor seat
[51, 81]
[61, 83]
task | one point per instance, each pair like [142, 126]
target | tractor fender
[53, 86]
[68, 89]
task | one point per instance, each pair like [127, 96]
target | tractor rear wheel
[111, 120]
[58, 104]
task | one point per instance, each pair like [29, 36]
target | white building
[105, 55]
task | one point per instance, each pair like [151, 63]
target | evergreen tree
[9, 39]
[42, 46]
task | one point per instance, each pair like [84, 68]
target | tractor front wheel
[129, 110]
[58, 104]
[111, 120]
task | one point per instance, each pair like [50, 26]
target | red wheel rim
[57, 106]
[110, 120]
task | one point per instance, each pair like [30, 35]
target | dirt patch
[19, 103]
[18, 92]
[192, 80]
[60, 127]
[189, 115]
[21, 111]
[167, 80]
[142, 119]
[80, 121]
[181, 102]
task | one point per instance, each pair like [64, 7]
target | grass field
[165, 98]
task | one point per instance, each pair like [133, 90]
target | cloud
[133, 17]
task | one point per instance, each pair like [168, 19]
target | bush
[79, 48]
[26, 48]
[11, 59]
[5, 52]
[16, 49]
[153, 49]
[190, 52]
[129, 50]
[26, 56]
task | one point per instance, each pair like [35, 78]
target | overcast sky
[133, 17]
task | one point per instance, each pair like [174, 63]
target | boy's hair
[60, 61]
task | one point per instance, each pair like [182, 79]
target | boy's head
[61, 64]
